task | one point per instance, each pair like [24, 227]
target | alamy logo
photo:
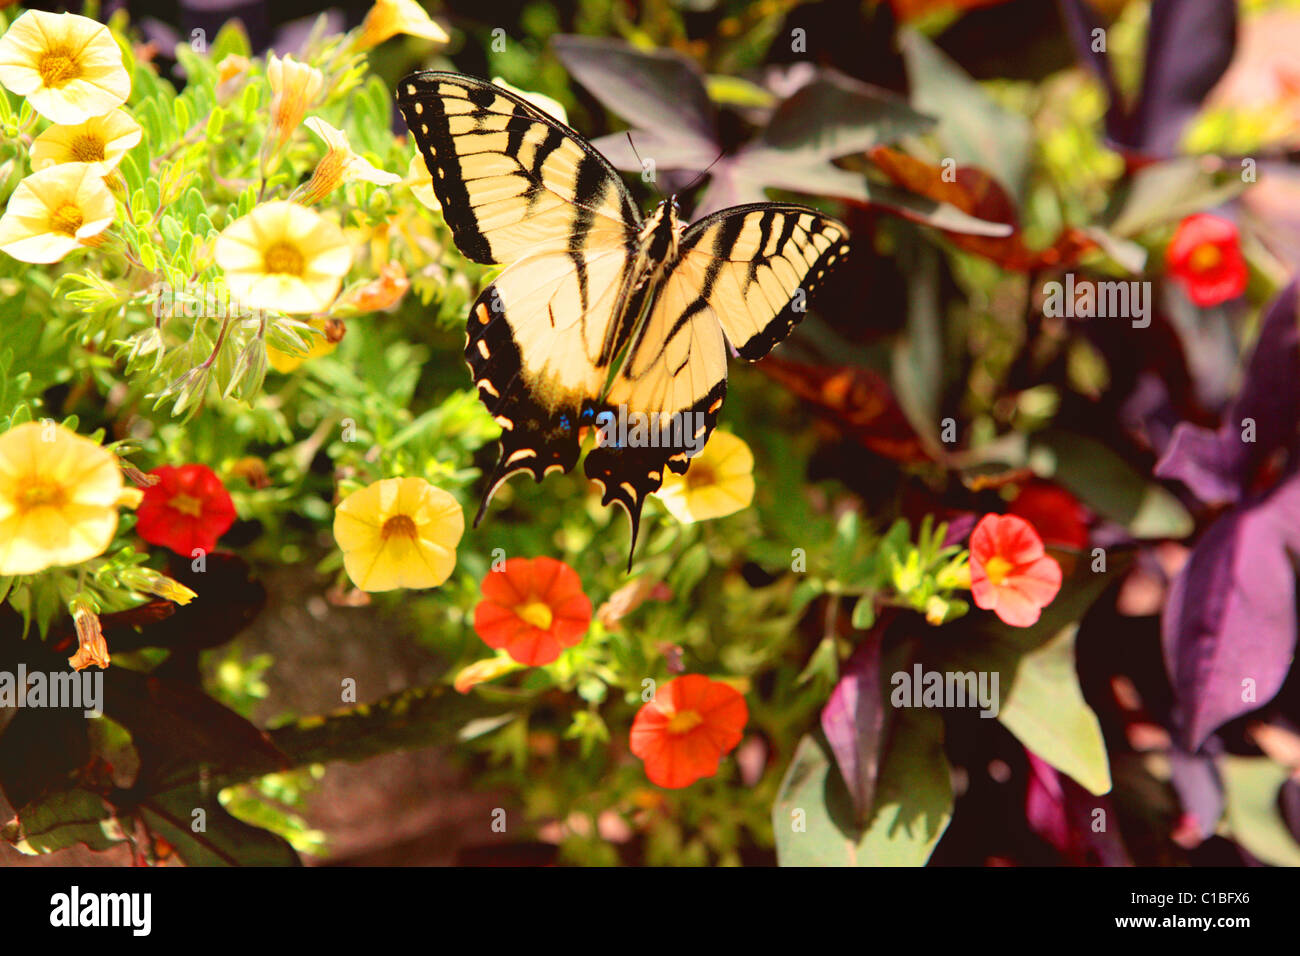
[133, 910]
[684, 430]
[1098, 300]
[79, 690]
[206, 300]
[923, 688]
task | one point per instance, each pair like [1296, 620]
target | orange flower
[683, 733]
[533, 609]
[1010, 574]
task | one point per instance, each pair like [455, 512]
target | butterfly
[601, 318]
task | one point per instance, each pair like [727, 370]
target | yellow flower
[421, 183]
[101, 141]
[59, 495]
[294, 86]
[55, 211]
[284, 257]
[69, 67]
[340, 165]
[719, 481]
[232, 71]
[387, 18]
[398, 533]
[323, 344]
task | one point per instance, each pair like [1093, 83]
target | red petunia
[1055, 514]
[1010, 574]
[683, 733]
[533, 608]
[187, 510]
[1205, 258]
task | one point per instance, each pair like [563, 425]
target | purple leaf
[1199, 788]
[852, 721]
[1218, 466]
[1230, 616]
[1063, 813]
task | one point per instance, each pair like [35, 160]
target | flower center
[400, 526]
[997, 568]
[40, 494]
[698, 475]
[283, 258]
[67, 219]
[88, 149]
[58, 68]
[187, 504]
[536, 613]
[1205, 257]
[684, 721]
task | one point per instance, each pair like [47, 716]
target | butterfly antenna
[641, 161]
[696, 181]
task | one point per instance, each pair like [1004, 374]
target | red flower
[683, 733]
[1010, 574]
[1205, 258]
[187, 509]
[1055, 514]
[532, 608]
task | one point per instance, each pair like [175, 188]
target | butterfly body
[601, 314]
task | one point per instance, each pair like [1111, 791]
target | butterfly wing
[746, 272]
[518, 187]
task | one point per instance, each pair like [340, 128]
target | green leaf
[813, 812]
[973, 128]
[1113, 488]
[63, 819]
[1168, 191]
[222, 841]
[1250, 789]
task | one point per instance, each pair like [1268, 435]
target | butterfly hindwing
[758, 266]
[511, 180]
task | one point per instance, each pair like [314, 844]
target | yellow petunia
[69, 67]
[284, 257]
[719, 481]
[398, 533]
[59, 495]
[55, 211]
[340, 165]
[421, 183]
[100, 141]
[294, 87]
[387, 18]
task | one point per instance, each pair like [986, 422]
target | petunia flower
[1011, 575]
[284, 257]
[69, 67]
[1204, 257]
[54, 211]
[421, 183]
[387, 18]
[533, 609]
[340, 165]
[188, 509]
[101, 141]
[683, 733]
[398, 533]
[59, 495]
[1054, 513]
[294, 87]
[719, 481]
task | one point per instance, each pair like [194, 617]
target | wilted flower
[69, 67]
[1205, 258]
[1010, 573]
[383, 292]
[59, 495]
[340, 165]
[232, 72]
[285, 257]
[490, 668]
[188, 509]
[54, 211]
[398, 533]
[91, 646]
[683, 733]
[387, 18]
[719, 481]
[101, 141]
[294, 86]
[533, 609]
